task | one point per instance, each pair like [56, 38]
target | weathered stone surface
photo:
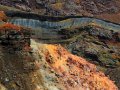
[39, 66]
[71, 7]
[102, 33]
[114, 74]
[98, 45]
[95, 43]
[14, 37]
[3, 17]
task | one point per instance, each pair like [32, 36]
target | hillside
[59, 44]
[30, 65]
[105, 9]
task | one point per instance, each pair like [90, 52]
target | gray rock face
[39, 1]
[23, 7]
[106, 34]
[17, 0]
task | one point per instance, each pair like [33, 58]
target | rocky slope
[100, 46]
[29, 65]
[68, 6]
[105, 9]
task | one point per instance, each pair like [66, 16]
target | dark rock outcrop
[14, 37]
[95, 43]
[98, 45]
[114, 74]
